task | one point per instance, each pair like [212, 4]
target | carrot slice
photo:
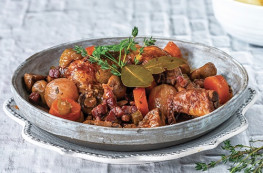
[219, 84]
[140, 100]
[173, 49]
[74, 113]
[90, 50]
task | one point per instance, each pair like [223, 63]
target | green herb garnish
[103, 53]
[131, 75]
[246, 158]
[146, 42]
[80, 50]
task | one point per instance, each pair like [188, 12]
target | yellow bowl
[254, 2]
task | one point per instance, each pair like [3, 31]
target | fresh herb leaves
[246, 158]
[149, 41]
[102, 54]
[135, 31]
[103, 63]
[80, 50]
[131, 75]
[131, 45]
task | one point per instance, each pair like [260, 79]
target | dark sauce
[183, 117]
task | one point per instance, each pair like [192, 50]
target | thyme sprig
[102, 54]
[147, 42]
[246, 158]
[80, 50]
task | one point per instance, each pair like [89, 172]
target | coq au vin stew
[128, 85]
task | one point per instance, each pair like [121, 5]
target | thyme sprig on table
[103, 53]
[246, 158]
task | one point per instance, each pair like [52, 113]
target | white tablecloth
[28, 26]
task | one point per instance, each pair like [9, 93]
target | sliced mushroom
[161, 97]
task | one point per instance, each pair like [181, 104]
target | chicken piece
[102, 76]
[67, 57]
[149, 53]
[195, 102]
[152, 119]
[82, 73]
[162, 97]
[117, 86]
[206, 70]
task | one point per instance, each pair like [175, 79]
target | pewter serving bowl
[123, 139]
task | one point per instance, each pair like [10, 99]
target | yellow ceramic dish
[254, 2]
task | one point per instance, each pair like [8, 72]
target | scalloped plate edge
[132, 159]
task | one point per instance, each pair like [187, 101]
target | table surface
[28, 26]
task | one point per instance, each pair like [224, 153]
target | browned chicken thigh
[195, 102]
[82, 73]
